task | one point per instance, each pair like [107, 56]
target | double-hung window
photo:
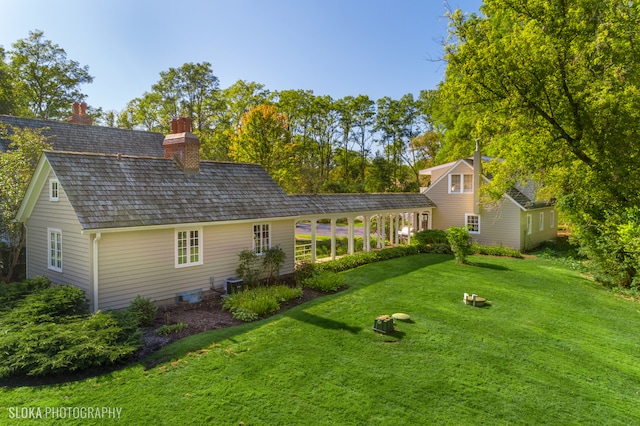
[53, 190]
[529, 224]
[473, 223]
[55, 249]
[460, 183]
[188, 247]
[541, 224]
[261, 238]
[552, 219]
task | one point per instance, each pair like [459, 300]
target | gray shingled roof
[143, 191]
[348, 203]
[525, 202]
[83, 138]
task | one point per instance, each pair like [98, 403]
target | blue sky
[332, 47]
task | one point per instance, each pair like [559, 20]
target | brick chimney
[182, 145]
[79, 115]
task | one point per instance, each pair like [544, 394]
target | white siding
[75, 246]
[143, 262]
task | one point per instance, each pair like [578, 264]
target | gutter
[96, 274]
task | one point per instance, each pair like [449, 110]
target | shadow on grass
[392, 336]
[323, 322]
[489, 266]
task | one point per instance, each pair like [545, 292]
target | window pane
[473, 223]
[455, 183]
[468, 183]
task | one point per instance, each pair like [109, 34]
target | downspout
[96, 275]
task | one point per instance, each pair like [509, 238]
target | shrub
[285, 293]
[58, 303]
[144, 310]
[47, 348]
[495, 251]
[324, 281]
[48, 330]
[431, 236]
[253, 303]
[272, 261]
[460, 242]
[11, 293]
[167, 329]
[248, 268]
[303, 270]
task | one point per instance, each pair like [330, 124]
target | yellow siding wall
[536, 237]
[143, 262]
[75, 247]
[502, 223]
[451, 207]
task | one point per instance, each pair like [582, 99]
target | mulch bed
[200, 316]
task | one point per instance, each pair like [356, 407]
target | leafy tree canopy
[47, 83]
[553, 88]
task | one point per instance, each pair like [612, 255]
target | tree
[47, 83]
[227, 109]
[185, 91]
[16, 167]
[263, 138]
[7, 100]
[553, 88]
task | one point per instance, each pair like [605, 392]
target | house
[121, 213]
[517, 220]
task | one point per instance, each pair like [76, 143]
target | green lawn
[552, 348]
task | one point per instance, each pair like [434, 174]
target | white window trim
[54, 264]
[529, 224]
[253, 238]
[461, 176]
[466, 222]
[552, 219]
[541, 224]
[200, 247]
[54, 183]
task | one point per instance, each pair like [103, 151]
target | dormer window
[53, 190]
[460, 183]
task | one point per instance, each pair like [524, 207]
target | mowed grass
[552, 348]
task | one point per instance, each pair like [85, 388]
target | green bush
[48, 330]
[303, 270]
[460, 242]
[285, 293]
[431, 236]
[358, 259]
[166, 329]
[48, 348]
[324, 281]
[144, 310]
[58, 303]
[11, 293]
[248, 267]
[495, 251]
[253, 303]
[272, 261]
